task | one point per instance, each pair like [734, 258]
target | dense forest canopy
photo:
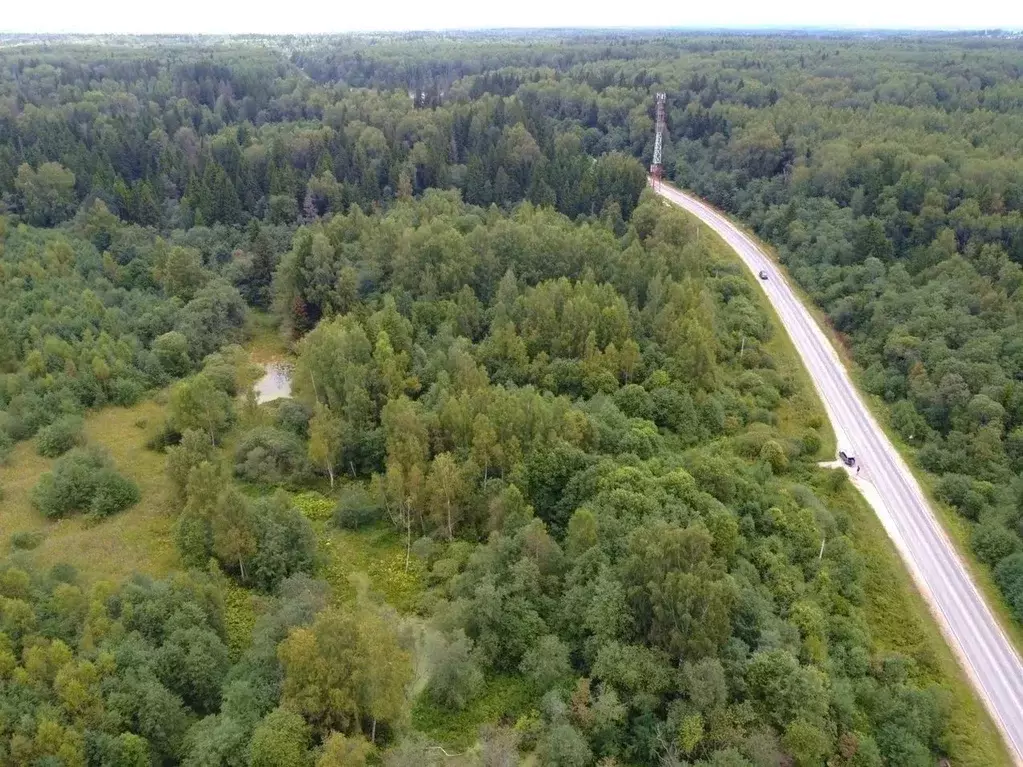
[570, 413]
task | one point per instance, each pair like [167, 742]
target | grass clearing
[265, 344]
[139, 539]
[241, 609]
[376, 552]
[379, 554]
[504, 700]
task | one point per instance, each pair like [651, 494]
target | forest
[567, 450]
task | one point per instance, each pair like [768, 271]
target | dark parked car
[847, 459]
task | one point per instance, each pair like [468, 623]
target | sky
[325, 16]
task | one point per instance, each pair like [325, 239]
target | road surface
[886, 482]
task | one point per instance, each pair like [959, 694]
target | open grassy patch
[376, 552]
[379, 553]
[265, 344]
[504, 700]
[241, 609]
[137, 540]
[901, 622]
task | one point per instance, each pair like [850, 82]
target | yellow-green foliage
[504, 698]
[240, 615]
[380, 554]
[314, 506]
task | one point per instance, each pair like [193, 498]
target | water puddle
[275, 383]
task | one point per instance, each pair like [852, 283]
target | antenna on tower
[655, 166]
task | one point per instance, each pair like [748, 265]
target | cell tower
[655, 166]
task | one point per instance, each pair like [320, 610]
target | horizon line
[809, 28]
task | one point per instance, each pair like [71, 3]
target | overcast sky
[321, 16]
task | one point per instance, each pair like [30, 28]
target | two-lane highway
[991, 662]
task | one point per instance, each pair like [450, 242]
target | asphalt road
[991, 662]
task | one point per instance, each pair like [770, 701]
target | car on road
[847, 459]
[763, 274]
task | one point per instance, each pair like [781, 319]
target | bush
[6, 445]
[286, 543]
[455, 677]
[26, 540]
[125, 392]
[63, 572]
[293, 416]
[269, 456]
[59, 437]
[164, 438]
[357, 508]
[83, 481]
[171, 350]
[962, 492]
[810, 443]
[114, 493]
[634, 401]
[1009, 577]
[774, 455]
[993, 541]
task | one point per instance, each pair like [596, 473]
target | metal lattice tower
[655, 166]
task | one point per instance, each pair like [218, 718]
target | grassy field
[374, 555]
[137, 540]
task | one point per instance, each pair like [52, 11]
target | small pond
[275, 383]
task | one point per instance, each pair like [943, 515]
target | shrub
[993, 541]
[1009, 577]
[634, 401]
[455, 677]
[269, 456]
[810, 442]
[171, 349]
[165, 437]
[286, 543]
[26, 540]
[114, 493]
[357, 508]
[59, 437]
[83, 481]
[293, 416]
[6, 445]
[774, 454]
[126, 391]
[63, 572]
[962, 492]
